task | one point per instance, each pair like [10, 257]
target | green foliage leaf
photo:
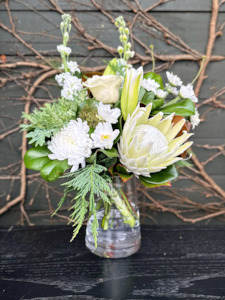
[53, 169]
[48, 120]
[88, 183]
[108, 152]
[156, 77]
[184, 108]
[168, 174]
[149, 98]
[36, 158]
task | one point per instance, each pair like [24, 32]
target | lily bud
[130, 92]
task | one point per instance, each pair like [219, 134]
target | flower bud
[121, 29]
[127, 31]
[116, 24]
[124, 37]
[128, 46]
[120, 50]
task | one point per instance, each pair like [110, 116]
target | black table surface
[172, 263]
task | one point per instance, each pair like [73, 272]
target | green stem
[121, 206]
[200, 69]
[105, 220]
[171, 102]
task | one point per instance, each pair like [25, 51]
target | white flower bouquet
[121, 123]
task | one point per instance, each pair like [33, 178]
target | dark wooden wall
[37, 23]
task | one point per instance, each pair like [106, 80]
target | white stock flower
[63, 49]
[161, 93]
[174, 80]
[108, 114]
[104, 135]
[71, 86]
[195, 120]
[171, 89]
[150, 85]
[149, 145]
[187, 92]
[60, 78]
[73, 66]
[104, 88]
[72, 143]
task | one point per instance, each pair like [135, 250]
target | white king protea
[148, 145]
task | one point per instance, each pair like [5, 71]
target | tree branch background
[181, 31]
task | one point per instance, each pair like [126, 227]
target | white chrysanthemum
[63, 49]
[72, 85]
[61, 78]
[187, 92]
[72, 143]
[108, 114]
[104, 135]
[195, 120]
[174, 80]
[150, 85]
[171, 89]
[150, 145]
[161, 94]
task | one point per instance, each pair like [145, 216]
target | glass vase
[119, 226]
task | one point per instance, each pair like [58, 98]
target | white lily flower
[72, 143]
[108, 114]
[174, 80]
[148, 145]
[195, 120]
[150, 85]
[63, 49]
[187, 92]
[161, 94]
[171, 89]
[104, 88]
[104, 135]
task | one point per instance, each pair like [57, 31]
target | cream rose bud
[104, 88]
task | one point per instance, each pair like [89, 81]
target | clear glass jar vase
[119, 226]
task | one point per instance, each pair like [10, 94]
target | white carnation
[72, 143]
[187, 92]
[104, 135]
[108, 114]
[174, 80]
[63, 49]
[150, 85]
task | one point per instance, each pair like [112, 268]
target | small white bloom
[161, 94]
[195, 120]
[72, 143]
[107, 114]
[71, 86]
[171, 89]
[61, 78]
[104, 88]
[63, 49]
[174, 80]
[150, 85]
[73, 66]
[187, 92]
[104, 135]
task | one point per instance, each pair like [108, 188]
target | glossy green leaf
[124, 177]
[168, 174]
[36, 158]
[121, 169]
[149, 98]
[150, 185]
[108, 152]
[184, 108]
[53, 169]
[142, 92]
[156, 77]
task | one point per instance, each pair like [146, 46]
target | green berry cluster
[124, 50]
